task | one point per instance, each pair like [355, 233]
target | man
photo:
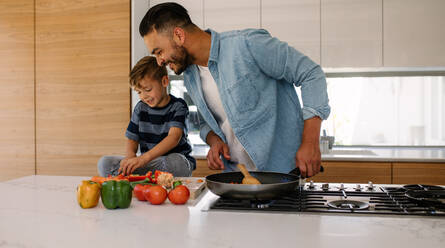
[243, 85]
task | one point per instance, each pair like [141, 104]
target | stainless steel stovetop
[422, 200]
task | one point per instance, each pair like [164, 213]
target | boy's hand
[128, 165]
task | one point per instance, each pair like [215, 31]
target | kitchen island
[42, 211]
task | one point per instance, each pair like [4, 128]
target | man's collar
[214, 46]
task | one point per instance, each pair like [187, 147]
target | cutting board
[196, 185]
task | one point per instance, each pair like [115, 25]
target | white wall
[138, 49]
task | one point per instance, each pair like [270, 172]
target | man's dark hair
[164, 16]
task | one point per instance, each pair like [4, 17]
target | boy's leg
[109, 165]
[179, 165]
[175, 163]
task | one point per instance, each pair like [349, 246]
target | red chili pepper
[157, 173]
[133, 178]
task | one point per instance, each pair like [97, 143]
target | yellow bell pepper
[88, 194]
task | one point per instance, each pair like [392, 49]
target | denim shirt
[255, 75]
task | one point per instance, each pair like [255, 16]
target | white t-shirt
[211, 95]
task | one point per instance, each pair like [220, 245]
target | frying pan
[273, 184]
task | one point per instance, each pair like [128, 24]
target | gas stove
[339, 198]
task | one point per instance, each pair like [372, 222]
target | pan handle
[297, 172]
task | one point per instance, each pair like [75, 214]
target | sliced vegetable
[145, 181]
[176, 183]
[134, 178]
[116, 194]
[98, 179]
[88, 193]
[131, 178]
[164, 178]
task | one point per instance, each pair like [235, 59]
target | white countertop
[379, 154]
[383, 154]
[42, 211]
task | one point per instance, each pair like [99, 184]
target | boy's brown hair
[147, 66]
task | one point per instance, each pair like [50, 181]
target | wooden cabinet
[202, 169]
[295, 22]
[413, 33]
[82, 92]
[231, 14]
[351, 33]
[17, 154]
[419, 173]
[340, 172]
[354, 172]
[363, 172]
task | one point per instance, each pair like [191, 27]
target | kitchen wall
[336, 33]
[17, 132]
[82, 92]
[367, 39]
[65, 96]
[64, 64]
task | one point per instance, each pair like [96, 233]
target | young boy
[157, 126]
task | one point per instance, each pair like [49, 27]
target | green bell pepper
[116, 194]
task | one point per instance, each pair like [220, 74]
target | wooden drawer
[202, 169]
[419, 173]
[354, 172]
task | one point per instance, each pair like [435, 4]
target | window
[178, 89]
[371, 111]
[387, 111]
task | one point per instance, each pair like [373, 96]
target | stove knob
[342, 186]
[311, 184]
[325, 186]
[358, 188]
[370, 186]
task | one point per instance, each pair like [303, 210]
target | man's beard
[181, 59]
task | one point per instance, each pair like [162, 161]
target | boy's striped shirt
[149, 126]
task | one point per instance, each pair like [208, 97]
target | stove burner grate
[348, 204]
[423, 187]
[387, 201]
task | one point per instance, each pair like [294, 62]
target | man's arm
[287, 64]
[280, 61]
[308, 157]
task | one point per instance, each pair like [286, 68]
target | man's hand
[128, 165]
[217, 148]
[308, 159]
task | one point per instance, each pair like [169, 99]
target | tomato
[146, 191]
[156, 194]
[179, 195]
[139, 191]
